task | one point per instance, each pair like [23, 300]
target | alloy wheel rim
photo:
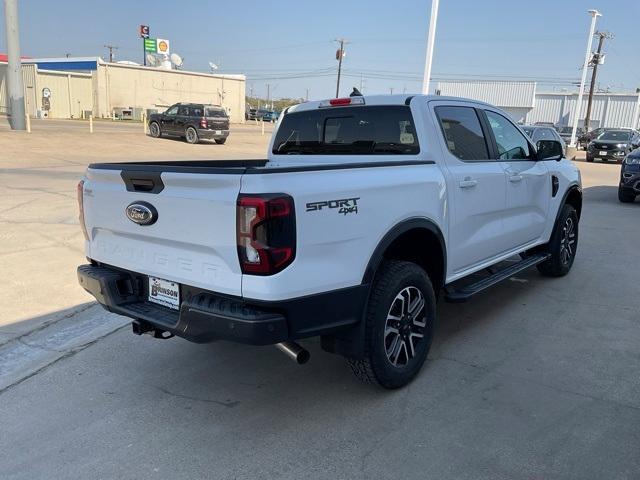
[405, 326]
[568, 241]
[154, 130]
[190, 135]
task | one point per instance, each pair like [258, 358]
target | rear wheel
[625, 197]
[589, 159]
[398, 326]
[191, 135]
[220, 141]
[563, 244]
[154, 129]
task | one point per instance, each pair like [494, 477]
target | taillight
[203, 123]
[342, 102]
[266, 233]
[81, 209]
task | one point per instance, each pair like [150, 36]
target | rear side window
[183, 110]
[382, 130]
[463, 133]
[196, 110]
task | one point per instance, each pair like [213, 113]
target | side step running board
[462, 295]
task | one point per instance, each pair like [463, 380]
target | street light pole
[431, 36]
[576, 116]
[15, 83]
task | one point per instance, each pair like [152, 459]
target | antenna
[176, 60]
[152, 60]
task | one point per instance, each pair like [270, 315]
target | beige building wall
[130, 86]
[29, 79]
[71, 93]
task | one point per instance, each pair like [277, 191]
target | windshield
[348, 131]
[619, 135]
[528, 130]
[216, 112]
[567, 129]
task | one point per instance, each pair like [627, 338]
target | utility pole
[339, 57]
[268, 93]
[111, 48]
[595, 61]
[431, 37]
[307, 97]
[15, 83]
[576, 114]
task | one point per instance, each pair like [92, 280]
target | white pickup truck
[367, 210]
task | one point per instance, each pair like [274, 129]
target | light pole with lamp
[576, 115]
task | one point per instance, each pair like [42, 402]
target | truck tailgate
[192, 242]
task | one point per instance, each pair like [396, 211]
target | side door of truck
[528, 182]
[476, 184]
[182, 119]
[169, 120]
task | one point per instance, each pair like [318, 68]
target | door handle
[515, 178]
[468, 183]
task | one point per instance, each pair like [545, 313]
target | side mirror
[549, 150]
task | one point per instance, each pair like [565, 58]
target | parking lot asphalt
[535, 379]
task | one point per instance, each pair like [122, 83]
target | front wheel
[563, 244]
[399, 326]
[191, 135]
[154, 129]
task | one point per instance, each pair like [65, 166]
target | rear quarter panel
[333, 248]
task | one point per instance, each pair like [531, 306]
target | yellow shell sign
[162, 46]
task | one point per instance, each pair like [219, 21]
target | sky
[290, 45]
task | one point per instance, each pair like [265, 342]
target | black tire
[626, 197]
[563, 244]
[220, 141]
[154, 130]
[191, 135]
[397, 283]
[589, 159]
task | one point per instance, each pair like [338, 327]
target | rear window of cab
[353, 130]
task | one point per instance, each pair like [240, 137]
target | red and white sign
[144, 31]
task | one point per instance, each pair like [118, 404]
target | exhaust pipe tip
[295, 352]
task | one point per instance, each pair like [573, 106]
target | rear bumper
[205, 316]
[209, 134]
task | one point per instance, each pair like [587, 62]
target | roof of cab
[369, 100]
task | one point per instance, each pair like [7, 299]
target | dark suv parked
[629, 187]
[192, 121]
[613, 145]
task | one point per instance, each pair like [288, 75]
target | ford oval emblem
[142, 213]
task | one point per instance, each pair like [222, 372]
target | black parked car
[192, 121]
[613, 145]
[585, 138]
[629, 187]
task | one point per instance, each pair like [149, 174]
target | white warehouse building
[526, 105]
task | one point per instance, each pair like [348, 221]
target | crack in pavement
[228, 404]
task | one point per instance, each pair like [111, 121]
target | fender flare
[572, 187]
[394, 233]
